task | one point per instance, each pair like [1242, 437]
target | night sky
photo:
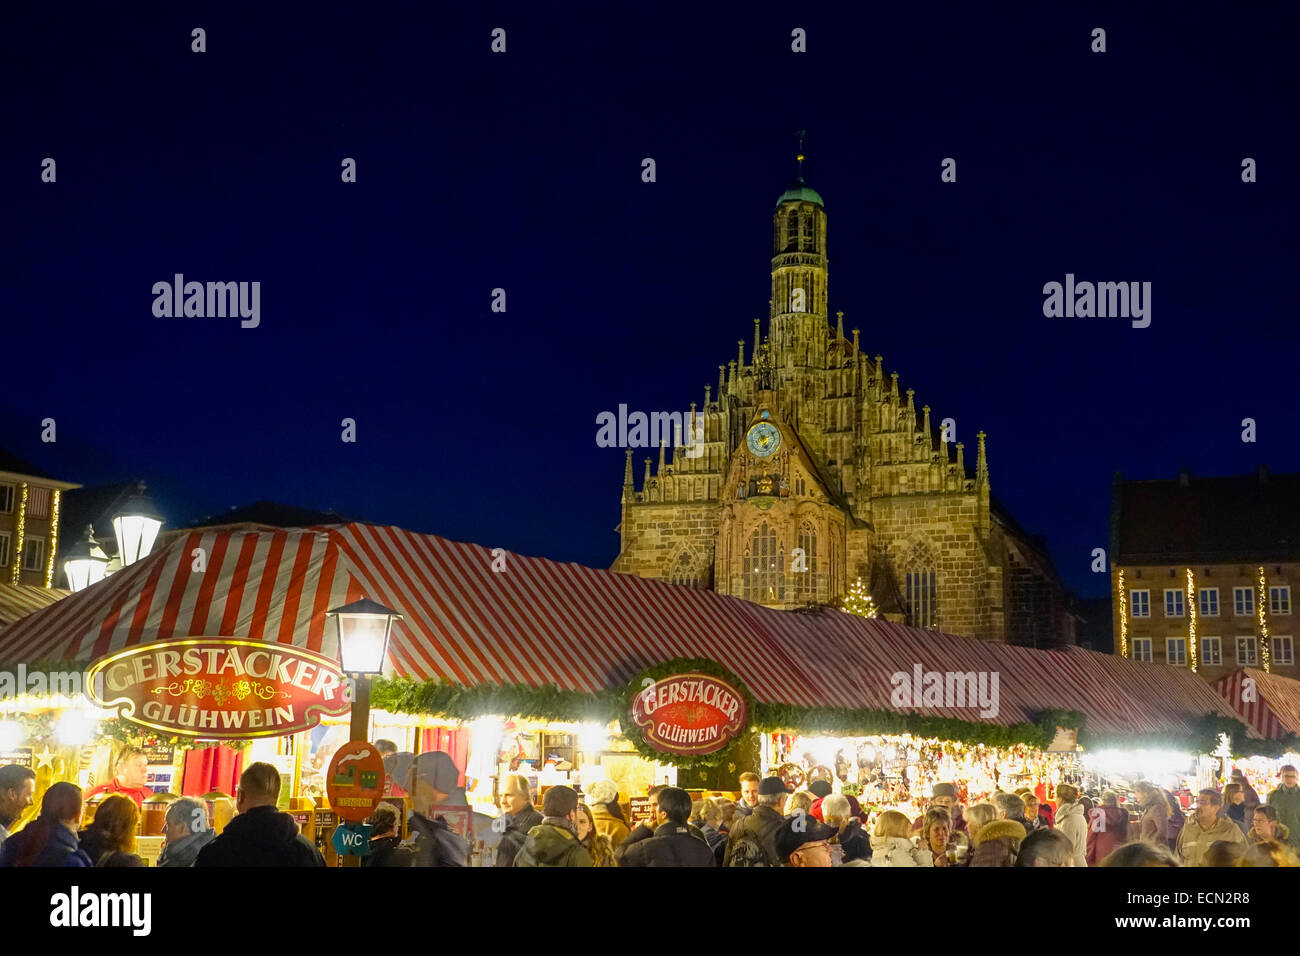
[523, 171]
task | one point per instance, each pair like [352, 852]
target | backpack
[746, 851]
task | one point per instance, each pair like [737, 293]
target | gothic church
[809, 445]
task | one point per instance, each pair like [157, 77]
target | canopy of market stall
[19, 600]
[1270, 705]
[472, 615]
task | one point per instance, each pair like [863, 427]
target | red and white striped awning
[1274, 707]
[541, 622]
[19, 600]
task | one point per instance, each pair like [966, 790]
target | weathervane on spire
[799, 156]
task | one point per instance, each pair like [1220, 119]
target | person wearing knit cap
[606, 814]
[759, 829]
[819, 789]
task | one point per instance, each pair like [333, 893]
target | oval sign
[354, 782]
[219, 688]
[690, 714]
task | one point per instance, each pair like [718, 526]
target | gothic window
[919, 586]
[806, 581]
[792, 230]
[764, 571]
[807, 232]
[684, 571]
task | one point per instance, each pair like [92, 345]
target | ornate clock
[763, 439]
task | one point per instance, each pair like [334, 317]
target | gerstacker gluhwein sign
[219, 687]
[689, 714]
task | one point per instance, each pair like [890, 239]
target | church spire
[839, 326]
[799, 157]
[981, 464]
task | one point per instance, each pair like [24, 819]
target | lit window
[1246, 651]
[805, 582]
[764, 567]
[1211, 651]
[33, 554]
[1139, 603]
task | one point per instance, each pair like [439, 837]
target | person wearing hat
[759, 829]
[820, 789]
[944, 796]
[606, 814]
[802, 840]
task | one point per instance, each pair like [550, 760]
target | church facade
[816, 470]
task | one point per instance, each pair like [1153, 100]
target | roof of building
[1238, 518]
[800, 191]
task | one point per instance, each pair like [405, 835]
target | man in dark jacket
[519, 816]
[260, 835]
[554, 841]
[762, 824]
[674, 842]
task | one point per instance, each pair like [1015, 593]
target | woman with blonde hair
[110, 838]
[939, 837]
[890, 845]
[838, 813]
[980, 814]
[598, 845]
[799, 800]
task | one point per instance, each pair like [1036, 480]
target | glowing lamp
[363, 630]
[85, 562]
[136, 526]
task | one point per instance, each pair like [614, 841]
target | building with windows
[1202, 571]
[30, 505]
[813, 468]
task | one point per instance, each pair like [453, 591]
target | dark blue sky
[522, 171]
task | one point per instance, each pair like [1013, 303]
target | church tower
[798, 320]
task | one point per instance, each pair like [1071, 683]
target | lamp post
[136, 526]
[363, 629]
[85, 562]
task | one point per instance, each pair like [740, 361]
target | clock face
[763, 439]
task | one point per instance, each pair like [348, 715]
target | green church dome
[801, 192]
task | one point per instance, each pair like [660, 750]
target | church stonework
[816, 470]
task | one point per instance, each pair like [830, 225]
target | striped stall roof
[19, 600]
[543, 622]
[1274, 709]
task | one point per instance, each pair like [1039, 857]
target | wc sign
[352, 839]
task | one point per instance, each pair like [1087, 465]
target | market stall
[1270, 705]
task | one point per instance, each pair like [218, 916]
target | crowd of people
[767, 826]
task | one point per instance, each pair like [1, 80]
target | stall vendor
[132, 771]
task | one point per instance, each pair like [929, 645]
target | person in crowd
[1141, 853]
[891, 845]
[602, 799]
[186, 832]
[755, 835]
[1107, 828]
[1252, 798]
[1266, 828]
[1011, 807]
[598, 846]
[837, 813]
[1046, 847]
[748, 794]
[944, 797]
[804, 845]
[820, 790]
[1087, 803]
[433, 781]
[1206, 827]
[674, 843]
[50, 839]
[1155, 813]
[554, 841]
[110, 838]
[696, 820]
[520, 816]
[17, 786]
[998, 843]
[800, 801]
[1224, 853]
[1234, 806]
[728, 808]
[386, 839]
[388, 751]
[979, 814]
[259, 834]
[1033, 820]
[938, 836]
[1272, 853]
[1177, 820]
[129, 780]
[711, 814]
[1071, 821]
[644, 831]
[1286, 801]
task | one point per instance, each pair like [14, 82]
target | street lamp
[363, 628]
[85, 562]
[136, 526]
